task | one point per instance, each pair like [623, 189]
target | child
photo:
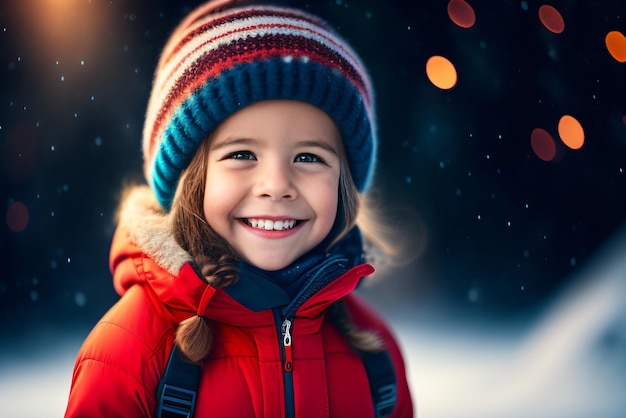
[244, 251]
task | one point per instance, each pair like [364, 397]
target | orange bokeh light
[461, 13]
[571, 132]
[17, 217]
[616, 44]
[551, 19]
[543, 144]
[441, 72]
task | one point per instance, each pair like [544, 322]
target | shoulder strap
[382, 379]
[177, 391]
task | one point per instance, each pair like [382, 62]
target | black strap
[382, 379]
[178, 388]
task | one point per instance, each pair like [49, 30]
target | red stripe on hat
[239, 16]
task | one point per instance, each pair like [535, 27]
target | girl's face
[272, 181]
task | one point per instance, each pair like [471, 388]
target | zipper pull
[286, 330]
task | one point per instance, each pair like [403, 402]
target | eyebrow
[319, 144]
[249, 141]
[231, 141]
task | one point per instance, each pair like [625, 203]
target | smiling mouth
[269, 225]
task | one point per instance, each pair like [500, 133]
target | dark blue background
[498, 230]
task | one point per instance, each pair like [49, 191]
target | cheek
[325, 202]
[216, 201]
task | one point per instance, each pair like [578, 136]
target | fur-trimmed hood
[149, 227]
[144, 251]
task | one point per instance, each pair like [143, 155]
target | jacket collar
[145, 252]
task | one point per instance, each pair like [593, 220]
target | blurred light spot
[34, 295]
[616, 44]
[461, 13]
[17, 217]
[571, 132]
[543, 144]
[80, 298]
[473, 295]
[441, 72]
[551, 19]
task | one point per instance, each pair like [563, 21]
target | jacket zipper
[285, 331]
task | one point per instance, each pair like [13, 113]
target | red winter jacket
[121, 362]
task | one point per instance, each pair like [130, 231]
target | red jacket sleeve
[101, 390]
[365, 317]
[119, 365]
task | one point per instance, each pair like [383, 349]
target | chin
[263, 263]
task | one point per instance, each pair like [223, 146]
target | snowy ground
[571, 362]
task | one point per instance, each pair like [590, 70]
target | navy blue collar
[293, 285]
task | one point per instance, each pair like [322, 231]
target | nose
[275, 180]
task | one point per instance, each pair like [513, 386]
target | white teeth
[269, 225]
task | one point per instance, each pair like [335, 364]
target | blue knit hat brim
[214, 102]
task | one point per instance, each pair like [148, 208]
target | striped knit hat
[219, 61]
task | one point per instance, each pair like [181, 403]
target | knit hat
[219, 61]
